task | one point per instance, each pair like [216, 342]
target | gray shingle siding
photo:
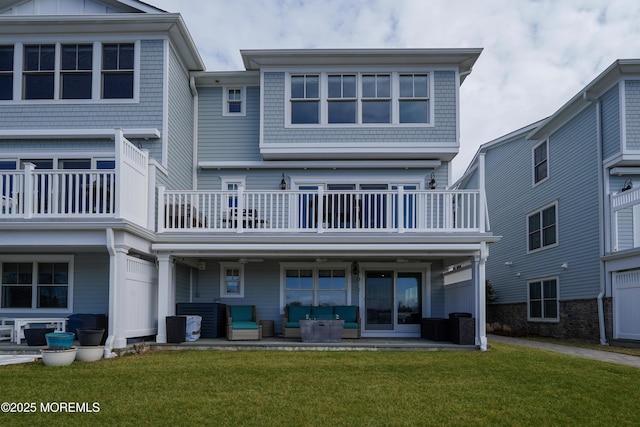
[632, 110]
[228, 137]
[573, 184]
[444, 129]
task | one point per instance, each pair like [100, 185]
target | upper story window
[6, 72]
[362, 99]
[117, 70]
[341, 100]
[414, 98]
[540, 162]
[234, 101]
[542, 228]
[39, 71]
[76, 67]
[68, 71]
[305, 99]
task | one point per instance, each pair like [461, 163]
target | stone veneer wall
[578, 319]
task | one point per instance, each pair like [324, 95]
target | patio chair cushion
[295, 324]
[351, 325]
[322, 312]
[241, 313]
[297, 312]
[244, 325]
[348, 313]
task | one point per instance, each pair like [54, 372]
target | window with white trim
[117, 70]
[315, 286]
[6, 72]
[305, 99]
[376, 98]
[542, 228]
[414, 98]
[543, 301]
[40, 285]
[341, 99]
[76, 67]
[540, 162]
[233, 100]
[231, 280]
[39, 71]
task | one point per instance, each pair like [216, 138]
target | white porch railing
[320, 211]
[625, 220]
[86, 193]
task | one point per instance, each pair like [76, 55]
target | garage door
[626, 305]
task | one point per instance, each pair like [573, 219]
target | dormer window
[305, 99]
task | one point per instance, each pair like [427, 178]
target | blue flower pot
[59, 340]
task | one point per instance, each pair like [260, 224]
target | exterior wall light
[433, 184]
[283, 183]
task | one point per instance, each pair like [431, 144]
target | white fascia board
[625, 171]
[149, 133]
[390, 150]
[322, 164]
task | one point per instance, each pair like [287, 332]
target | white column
[482, 215]
[479, 278]
[117, 292]
[166, 295]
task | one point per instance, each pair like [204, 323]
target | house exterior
[563, 193]
[133, 180]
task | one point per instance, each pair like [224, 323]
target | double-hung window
[117, 70]
[341, 99]
[76, 67]
[6, 72]
[376, 98]
[39, 71]
[414, 98]
[231, 280]
[305, 99]
[542, 228]
[543, 300]
[37, 285]
[234, 104]
[540, 162]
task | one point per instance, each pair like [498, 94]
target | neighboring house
[133, 180]
[564, 194]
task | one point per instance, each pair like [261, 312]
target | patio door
[393, 302]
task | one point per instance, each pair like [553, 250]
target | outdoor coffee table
[321, 330]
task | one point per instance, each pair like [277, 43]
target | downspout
[602, 224]
[194, 167]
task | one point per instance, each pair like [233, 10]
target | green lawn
[507, 385]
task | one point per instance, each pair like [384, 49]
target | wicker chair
[243, 323]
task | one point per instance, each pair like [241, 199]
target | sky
[537, 53]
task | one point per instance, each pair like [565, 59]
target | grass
[507, 385]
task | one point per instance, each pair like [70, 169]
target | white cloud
[537, 54]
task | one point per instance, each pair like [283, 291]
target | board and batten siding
[180, 126]
[223, 138]
[444, 129]
[610, 117]
[573, 185]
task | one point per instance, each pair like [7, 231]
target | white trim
[311, 179]
[165, 105]
[539, 212]
[142, 133]
[315, 267]
[225, 101]
[224, 266]
[623, 116]
[321, 164]
[544, 319]
[36, 259]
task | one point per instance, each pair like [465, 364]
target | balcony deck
[625, 220]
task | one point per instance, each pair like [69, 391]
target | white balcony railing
[625, 220]
[64, 193]
[321, 211]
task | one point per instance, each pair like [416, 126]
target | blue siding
[180, 138]
[632, 110]
[91, 284]
[444, 130]
[610, 116]
[573, 184]
[228, 137]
